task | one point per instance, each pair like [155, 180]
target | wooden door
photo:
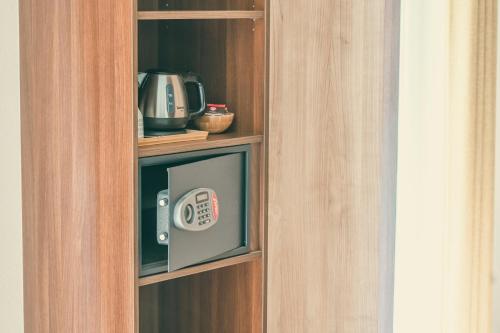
[78, 151]
[332, 165]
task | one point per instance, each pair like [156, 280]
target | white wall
[11, 297]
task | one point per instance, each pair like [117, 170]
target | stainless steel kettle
[164, 101]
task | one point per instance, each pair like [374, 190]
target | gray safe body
[164, 180]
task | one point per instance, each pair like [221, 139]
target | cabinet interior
[223, 300]
[228, 52]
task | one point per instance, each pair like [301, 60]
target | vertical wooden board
[240, 69]
[332, 165]
[245, 69]
[255, 199]
[227, 54]
[259, 75]
[146, 5]
[78, 151]
[147, 45]
[195, 46]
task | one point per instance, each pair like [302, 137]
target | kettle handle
[201, 91]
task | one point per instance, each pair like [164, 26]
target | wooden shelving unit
[224, 43]
[200, 15]
[332, 260]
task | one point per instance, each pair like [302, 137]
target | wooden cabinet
[314, 89]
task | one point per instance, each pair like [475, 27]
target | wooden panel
[259, 75]
[228, 55]
[78, 146]
[197, 5]
[484, 73]
[213, 141]
[200, 15]
[195, 46]
[245, 72]
[148, 46]
[145, 281]
[192, 136]
[332, 165]
[227, 300]
[255, 200]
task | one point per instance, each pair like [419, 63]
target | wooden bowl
[214, 123]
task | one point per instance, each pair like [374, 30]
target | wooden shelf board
[200, 15]
[191, 135]
[213, 141]
[252, 256]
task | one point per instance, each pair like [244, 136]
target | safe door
[199, 211]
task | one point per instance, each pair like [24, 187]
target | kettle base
[152, 133]
[164, 124]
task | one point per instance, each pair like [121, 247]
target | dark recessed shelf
[200, 15]
[252, 256]
[213, 141]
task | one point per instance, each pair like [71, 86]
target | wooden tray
[191, 135]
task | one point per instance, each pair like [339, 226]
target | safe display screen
[202, 197]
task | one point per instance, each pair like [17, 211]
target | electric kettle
[165, 103]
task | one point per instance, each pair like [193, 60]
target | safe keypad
[204, 213]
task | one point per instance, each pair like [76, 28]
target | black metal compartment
[224, 169]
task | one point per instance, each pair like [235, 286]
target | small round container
[216, 120]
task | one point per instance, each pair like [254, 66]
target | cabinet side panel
[78, 146]
[332, 165]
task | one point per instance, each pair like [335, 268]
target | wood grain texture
[256, 206]
[255, 255]
[482, 113]
[188, 136]
[78, 146]
[332, 165]
[229, 55]
[201, 15]
[198, 5]
[245, 74]
[213, 141]
[227, 300]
